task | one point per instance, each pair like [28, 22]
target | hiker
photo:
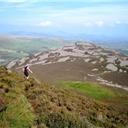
[26, 71]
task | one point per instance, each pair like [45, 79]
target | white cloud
[20, 1]
[99, 23]
[93, 24]
[45, 24]
[118, 22]
[88, 24]
[15, 1]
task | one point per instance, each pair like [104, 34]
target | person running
[26, 71]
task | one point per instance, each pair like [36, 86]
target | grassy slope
[98, 92]
[25, 104]
[92, 90]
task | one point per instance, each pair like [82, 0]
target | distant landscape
[121, 47]
[17, 47]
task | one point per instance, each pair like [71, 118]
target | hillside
[31, 104]
[78, 62]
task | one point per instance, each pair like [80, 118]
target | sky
[75, 17]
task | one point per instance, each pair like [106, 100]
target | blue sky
[96, 17]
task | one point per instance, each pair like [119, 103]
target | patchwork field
[17, 47]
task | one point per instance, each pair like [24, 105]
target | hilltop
[78, 62]
[31, 104]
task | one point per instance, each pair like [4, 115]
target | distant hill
[16, 47]
[78, 62]
[119, 46]
[31, 104]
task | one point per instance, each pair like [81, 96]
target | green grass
[31, 104]
[19, 113]
[90, 89]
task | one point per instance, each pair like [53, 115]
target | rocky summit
[79, 62]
